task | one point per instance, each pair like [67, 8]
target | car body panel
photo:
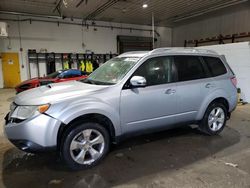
[140, 111]
[72, 110]
[36, 130]
[53, 93]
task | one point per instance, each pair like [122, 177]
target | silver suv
[136, 92]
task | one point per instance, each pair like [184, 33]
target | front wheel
[214, 119]
[84, 145]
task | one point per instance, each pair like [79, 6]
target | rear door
[193, 86]
[153, 106]
[223, 78]
[218, 72]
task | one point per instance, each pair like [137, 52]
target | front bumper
[38, 133]
[31, 147]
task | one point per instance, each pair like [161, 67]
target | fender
[66, 112]
[218, 93]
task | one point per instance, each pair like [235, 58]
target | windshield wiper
[88, 81]
[94, 82]
[104, 83]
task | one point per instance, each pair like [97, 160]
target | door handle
[209, 85]
[170, 91]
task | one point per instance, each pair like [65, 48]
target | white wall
[68, 39]
[238, 57]
[226, 22]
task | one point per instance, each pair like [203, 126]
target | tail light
[234, 81]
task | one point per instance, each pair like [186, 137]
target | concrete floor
[176, 158]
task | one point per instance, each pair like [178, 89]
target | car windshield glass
[54, 74]
[112, 71]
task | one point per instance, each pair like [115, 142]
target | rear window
[215, 66]
[189, 68]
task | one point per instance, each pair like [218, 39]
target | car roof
[163, 51]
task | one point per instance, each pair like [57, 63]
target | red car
[58, 76]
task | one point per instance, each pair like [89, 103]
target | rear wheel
[214, 119]
[84, 145]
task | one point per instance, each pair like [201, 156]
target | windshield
[112, 71]
[54, 74]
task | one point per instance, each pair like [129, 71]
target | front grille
[13, 120]
[16, 120]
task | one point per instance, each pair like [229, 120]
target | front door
[153, 106]
[11, 69]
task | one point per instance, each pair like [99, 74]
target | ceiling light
[145, 5]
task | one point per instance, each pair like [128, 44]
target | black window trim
[211, 74]
[205, 67]
[174, 70]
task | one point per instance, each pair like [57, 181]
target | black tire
[204, 125]
[71, 133]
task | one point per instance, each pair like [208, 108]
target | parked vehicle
[136, 92]
[58, 76]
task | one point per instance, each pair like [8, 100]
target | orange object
[43, 108]
[11, 69]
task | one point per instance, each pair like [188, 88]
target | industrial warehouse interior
[124, 93]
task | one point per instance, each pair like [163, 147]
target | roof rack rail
[182, 50]
[133, 52]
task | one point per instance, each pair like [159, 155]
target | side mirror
[138, 81]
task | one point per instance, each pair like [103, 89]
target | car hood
[53, 93]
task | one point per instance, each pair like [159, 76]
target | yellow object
[43, 108]
[89, 67]
[11, 69]
[82, 66]
[66, 65]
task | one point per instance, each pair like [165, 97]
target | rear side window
[215, 66]
[189, 68]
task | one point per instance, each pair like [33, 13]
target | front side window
[189, 68]
[215, 66]
[112, 71]
[156, 71]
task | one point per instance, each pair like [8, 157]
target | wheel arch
[91, 117]
[204, 107]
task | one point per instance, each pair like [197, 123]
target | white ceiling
[124, 11]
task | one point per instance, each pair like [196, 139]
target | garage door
[132, 43]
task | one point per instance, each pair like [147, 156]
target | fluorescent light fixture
[145, 5]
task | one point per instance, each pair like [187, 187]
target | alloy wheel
[87, 146]
[216, 119]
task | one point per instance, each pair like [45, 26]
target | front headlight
[24, 112]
